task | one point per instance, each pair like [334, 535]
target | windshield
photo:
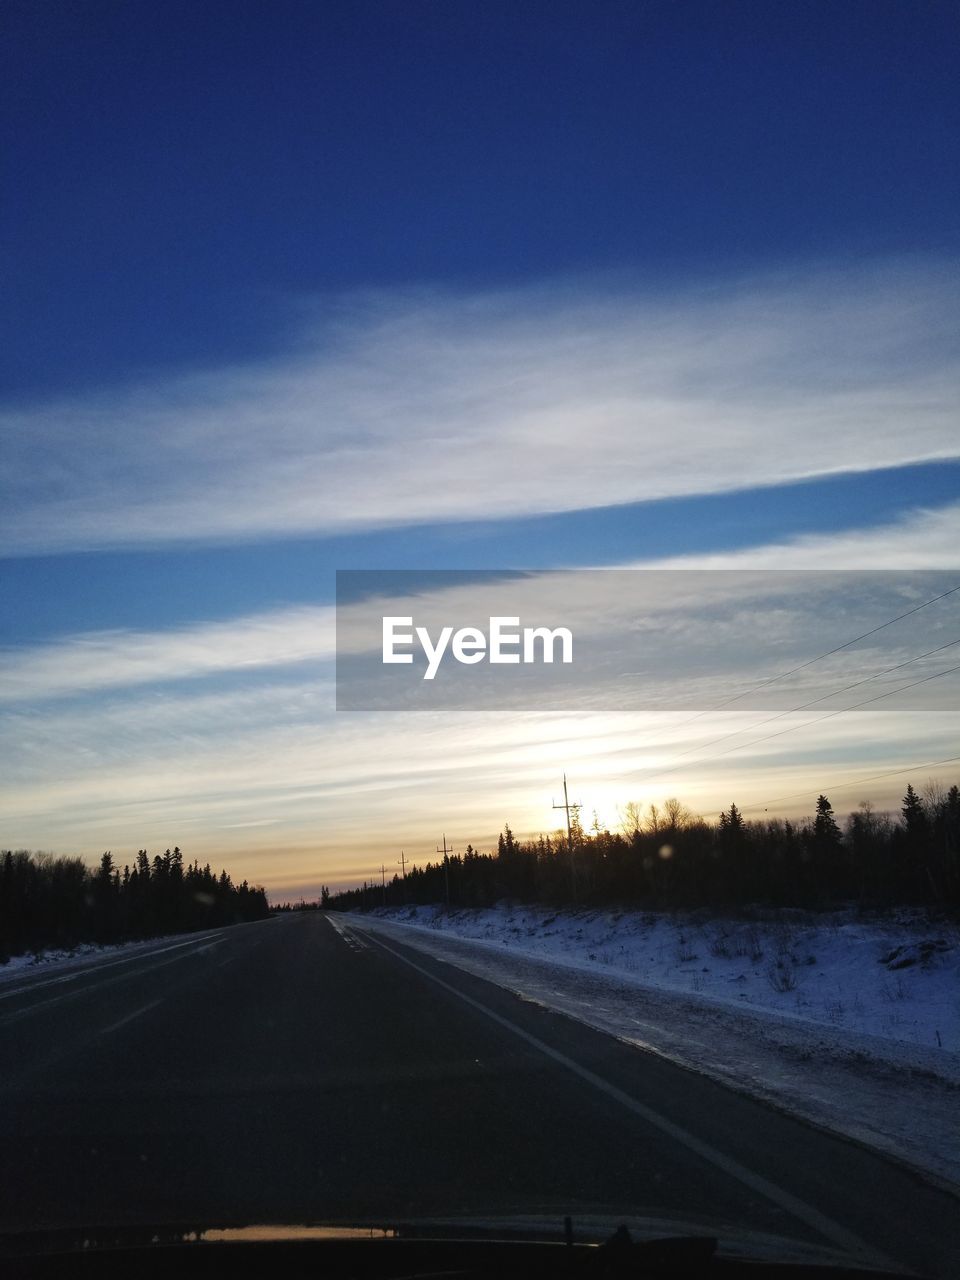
[480, 631]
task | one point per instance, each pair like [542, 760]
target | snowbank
[849, 1022]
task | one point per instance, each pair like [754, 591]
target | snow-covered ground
[55, 958]
[89, 955]
[853, 1023]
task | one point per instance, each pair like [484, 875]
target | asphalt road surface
[307, 1070]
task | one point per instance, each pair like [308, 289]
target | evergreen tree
[825, 829]
[914, 817]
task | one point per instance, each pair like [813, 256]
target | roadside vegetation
[48, 901]
[669, 858]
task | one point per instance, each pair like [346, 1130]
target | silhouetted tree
[47, 901]
[678, 860]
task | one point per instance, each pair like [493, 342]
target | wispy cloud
[264, 774]
[222, 736]
[305, 799]
[429, 406]
[705, 620]
[95, 661]
[921, 540]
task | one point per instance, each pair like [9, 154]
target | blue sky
[180, 176]
[298, 287]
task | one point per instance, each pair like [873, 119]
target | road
[307, 1069]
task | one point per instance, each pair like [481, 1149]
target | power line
[822, 698]
[810, 661]
[839, 648]
[446, 866]
[839, 712]
[402, 864]
[567, 806]
[841, 786]
[820, 719]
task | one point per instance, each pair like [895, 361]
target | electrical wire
[763, 684]
[841, 786]
[817, 720]
[822, 698]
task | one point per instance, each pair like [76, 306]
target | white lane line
[95, 968]
[353, 940]
[18, 1014]
[122, 1022]
[755, 1182]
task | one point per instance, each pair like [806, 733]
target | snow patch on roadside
[85, 955]
[849, 1022]
[34, 961]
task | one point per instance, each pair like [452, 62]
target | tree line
[50, 901]
[668, 858]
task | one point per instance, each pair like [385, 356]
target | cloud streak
[259, 645]
[301, 799]
[96, 661]
[249, 762]
[423, 407]
[921, 540]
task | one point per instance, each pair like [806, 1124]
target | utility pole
[403, 873]
[446, 866]
[567, 806]
[383, 882]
